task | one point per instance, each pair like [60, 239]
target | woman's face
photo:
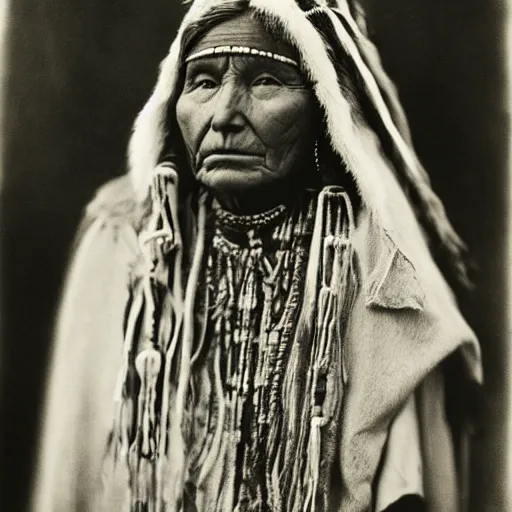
[246, 121]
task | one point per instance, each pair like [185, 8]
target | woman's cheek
[287, 132]
[283, 120]
[190, 117]
[284, 128]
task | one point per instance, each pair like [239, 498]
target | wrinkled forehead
[243, 33]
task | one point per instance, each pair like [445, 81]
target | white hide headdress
[341, 34]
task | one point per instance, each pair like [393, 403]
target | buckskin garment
[290, 360]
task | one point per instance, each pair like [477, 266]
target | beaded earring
[317, 160]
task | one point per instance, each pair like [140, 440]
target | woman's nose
[229, 108]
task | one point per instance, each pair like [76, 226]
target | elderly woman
[253, 320]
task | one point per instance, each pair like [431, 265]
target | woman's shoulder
[107, 237]
[116, 203]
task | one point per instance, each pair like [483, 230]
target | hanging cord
[123, 402]
[172, 488]
[177, 293]
[160, 243]
[329, 291]
[336, 267]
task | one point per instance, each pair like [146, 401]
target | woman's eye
[201, 80]
[266, 80]
[205, 83]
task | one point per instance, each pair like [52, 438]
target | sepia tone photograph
[254, 256]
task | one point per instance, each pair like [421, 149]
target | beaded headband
[240, 50]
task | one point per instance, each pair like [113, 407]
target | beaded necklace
[254, 272]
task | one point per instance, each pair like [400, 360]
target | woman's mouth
[230, 160]
[232, 171]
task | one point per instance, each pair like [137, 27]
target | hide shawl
[401, 324]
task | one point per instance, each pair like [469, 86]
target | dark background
[77, 74]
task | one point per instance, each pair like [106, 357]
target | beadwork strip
[240, 50]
